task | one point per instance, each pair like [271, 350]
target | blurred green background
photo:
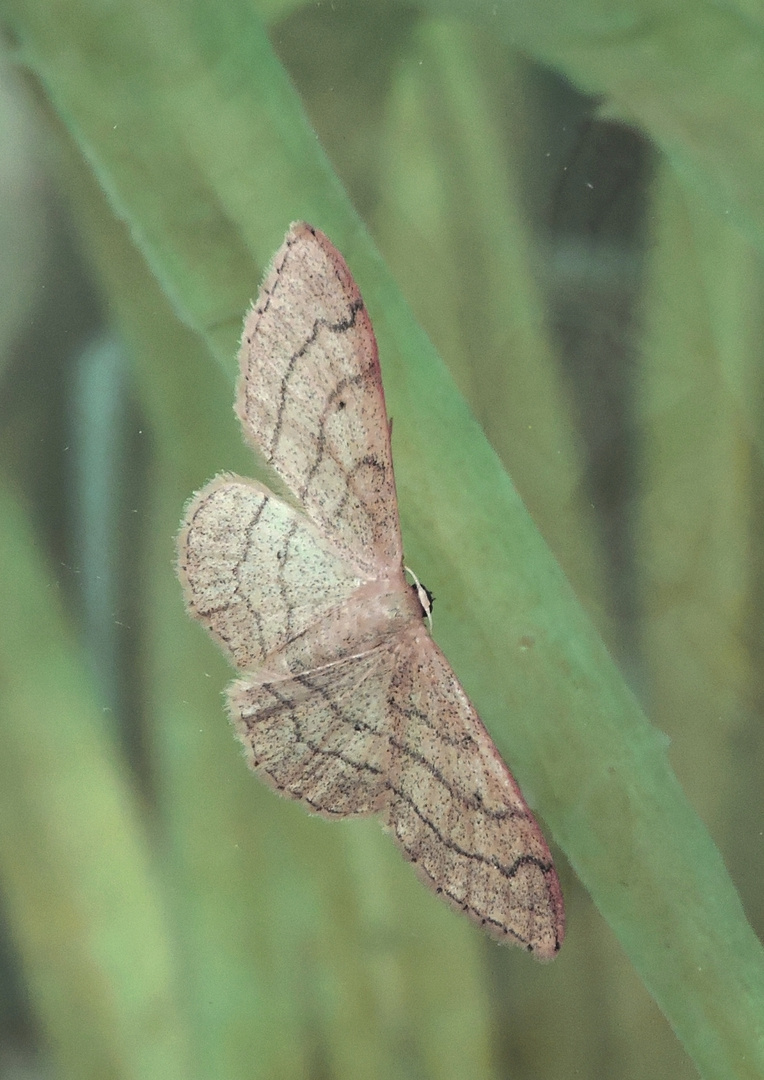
[566, 202]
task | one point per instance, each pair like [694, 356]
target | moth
[344, 701]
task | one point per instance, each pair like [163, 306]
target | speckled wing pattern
[345, 702]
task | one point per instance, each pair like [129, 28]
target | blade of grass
[451, 188]
[83, 898]
[689, 73]
[452, 221]
[695, 513]
[306, 945]
[698, 519]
